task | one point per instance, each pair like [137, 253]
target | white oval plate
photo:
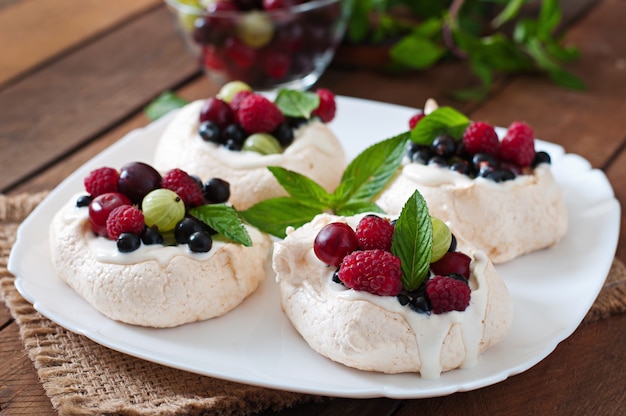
[552, 290]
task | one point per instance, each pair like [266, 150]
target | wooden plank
[32, 31]
[590, 122]
[87, 92]
[21, 393]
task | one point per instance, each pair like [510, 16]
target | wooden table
[73, 80]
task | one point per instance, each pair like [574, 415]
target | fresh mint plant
[444, 120]
[363, 179]
[163, 104]
[294, 103]
[494, 36]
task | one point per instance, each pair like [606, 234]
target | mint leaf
[163, 104]
[294, 103]
[416, 51]
[274, 215]
[370, 171]
[412, 241]
[357, 207]
[301, 188]
[225, 220]
[444, 120]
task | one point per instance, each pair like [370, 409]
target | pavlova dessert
[391, 296]
[238, 133]
[496, 192]
[156, 250]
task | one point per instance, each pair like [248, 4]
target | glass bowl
[286, 47]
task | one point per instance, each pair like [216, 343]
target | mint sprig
[298, 104]
[444, 120]
[364, 178]
[225, 220]
[163, 104]
[412, 241]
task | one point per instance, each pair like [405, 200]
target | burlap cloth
[84, 378]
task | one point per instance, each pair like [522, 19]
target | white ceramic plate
[552, 290]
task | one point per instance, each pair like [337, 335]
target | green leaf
[295, 103]
[274, 215]
[549, 18]
[358, 207]
[444, 120]
[566, 79]
[371, 170]
[225, 220]
[510, 10]
[412, 241]
[163, 104]
[302, 188]
[416, 51]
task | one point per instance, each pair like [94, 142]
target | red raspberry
[101, 181]
[374, 232]
[374, 271]
[185, 186]
[125, 219]
[447, 294]
[327, 108]
[238, 98]
[257, 114]
[518, 146]
[415, 119]
[480, 137]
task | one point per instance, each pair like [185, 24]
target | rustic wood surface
[73, 80]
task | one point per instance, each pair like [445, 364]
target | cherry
[137, 179]
[278, 4]
[101, 207]
[217, 111]
[452, 262]
[333, 242]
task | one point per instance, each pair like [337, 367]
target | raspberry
[327, 108]
[101, 181]
[374, 232]
[125, 219]
[185, 186]
[238, 98]
[518, 146]
[257, 114]
[447, 294]
[480, 137]
[415, 119]
[374, 271]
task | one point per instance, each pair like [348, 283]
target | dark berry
[233, 145]
[403, 299]
[185, 228]
[438, 161]
[200, 242]
[83, 201]
[500, 175]
[217, 111]
[216, 191]
[461, 167]
[483, 159]
[336, 278]
[420, 304]
[210, 132]
[235, 133]
[284, 135]
[128, 242]
[453, 243]
[444, 146]
[295, 122]
[151, 235]
[541, 157]
[418, 153]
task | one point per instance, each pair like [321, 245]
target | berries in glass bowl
[267, 44]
